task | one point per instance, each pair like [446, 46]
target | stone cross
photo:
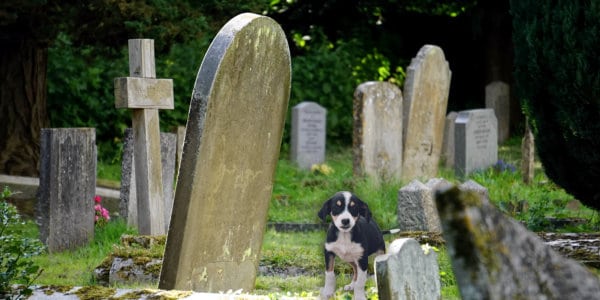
[145, 95]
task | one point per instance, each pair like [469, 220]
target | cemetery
[224, 206]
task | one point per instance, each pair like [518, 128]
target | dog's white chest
[345, 249]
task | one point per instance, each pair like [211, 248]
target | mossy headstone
[377, 138]
[495, 257]
[231, 149]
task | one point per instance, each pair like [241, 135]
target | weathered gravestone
[408, 271]
[65, 206]
[528, 156]
[416, 209]
[377, 138]
[495, 257]
[448, 143]
[128, 196]
[145, 95]
[426, 92]
[231, 148]
[476, 141]
[309, 121]
[497, 97]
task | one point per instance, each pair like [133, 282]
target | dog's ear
[325, 210]
[363, 209]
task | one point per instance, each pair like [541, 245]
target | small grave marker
[408, 271]
[65, 206]
[426, 92]
[528, 156]
[416, 209]
[309, 121]
[145, 94]
[377, 138]
[476, 141]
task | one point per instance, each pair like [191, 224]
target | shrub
[556, 71]
[16, 251]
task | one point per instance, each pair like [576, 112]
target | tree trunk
[23, 112]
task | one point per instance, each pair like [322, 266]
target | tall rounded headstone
[231, 149]
[426, 91]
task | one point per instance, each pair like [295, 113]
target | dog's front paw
[350, 286]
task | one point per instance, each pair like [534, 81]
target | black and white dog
[353, 236]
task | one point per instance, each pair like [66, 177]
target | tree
[28, 28]
[556, 69]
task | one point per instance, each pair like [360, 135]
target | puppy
[353, 236]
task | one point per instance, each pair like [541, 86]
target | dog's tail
[391, 231]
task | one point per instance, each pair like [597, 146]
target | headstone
[408, 271]
[129, 201]
[476, 141]
[426, 92]
[528, 156]
[377, 138]
[448, 144]
[168, 150]
[145, 94]
[65, 208]
[233, 135]
[497, 97]
[495, 257]
[309, 121]
[416, 209]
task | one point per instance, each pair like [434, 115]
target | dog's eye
[338, 203]
[352, 203]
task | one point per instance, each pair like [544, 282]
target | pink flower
[96, 218]
[98, 207]
[97, 199]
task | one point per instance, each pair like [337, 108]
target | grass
[297, 197]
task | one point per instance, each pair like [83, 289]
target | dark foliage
[558, 80]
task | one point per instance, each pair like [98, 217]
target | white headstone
[476, 140]
[309, 121]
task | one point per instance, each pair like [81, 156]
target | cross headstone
[497, 97]
[309, 120]
[65, 206]
[408, 271]
[527, 156]
[495, 257]
[145, 95]
[476, 140]
[448, 144]
[377, 138]
[235, 124]
[426, 92]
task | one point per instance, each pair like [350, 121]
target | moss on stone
[95, 292]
